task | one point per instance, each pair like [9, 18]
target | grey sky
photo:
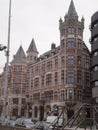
[39, 19]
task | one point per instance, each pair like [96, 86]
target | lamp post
[5, 103]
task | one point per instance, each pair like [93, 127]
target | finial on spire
[60, 20]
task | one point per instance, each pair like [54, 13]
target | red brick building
[60, 76]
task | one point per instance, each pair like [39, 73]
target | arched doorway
[41, 116]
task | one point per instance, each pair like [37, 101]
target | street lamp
[2, 47]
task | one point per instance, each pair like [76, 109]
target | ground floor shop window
[15, 112]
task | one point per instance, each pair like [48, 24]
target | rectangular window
[48, 79]
[55, 95]
[36, 96]
[15, 100]
[49, 65]
[62, 77]
[79, 76]
[71, 30]
[37, 70]
[56, 78]
[87, 62]
[42, 81]
[70, 60]
[23, 101]
[36, 82]
[79, 94]
[49, 95]
[87, 78]
[70, 43]
[70, 76]
[16, 89]
[62, 95]
[78, 60]
[43, 68]
[17, 79]
[23, 90]
[32, 83]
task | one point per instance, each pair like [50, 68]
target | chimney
[53, 46]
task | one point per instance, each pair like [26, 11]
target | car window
[28, 121]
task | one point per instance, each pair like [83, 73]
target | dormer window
[52, 53]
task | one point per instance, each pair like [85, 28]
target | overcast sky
[39, 19]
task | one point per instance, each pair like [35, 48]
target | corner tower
[32, 52]
[71, 27]
[94, 56]
[77, 57]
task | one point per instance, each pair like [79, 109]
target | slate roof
[72, 14]
[20, 56]
[49, 53]
[32, 47]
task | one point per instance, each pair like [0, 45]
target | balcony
[70, 103]
[70, 97]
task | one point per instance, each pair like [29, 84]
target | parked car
[2, 119]
[8, 122]
[39, 125]
[23, 122]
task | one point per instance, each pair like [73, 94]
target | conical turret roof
[20, 56]
[72, 14]
[32, 47]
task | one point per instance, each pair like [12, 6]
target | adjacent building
[94, 56]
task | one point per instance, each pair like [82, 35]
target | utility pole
[5, 101]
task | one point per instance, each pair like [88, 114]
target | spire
[20, 56]
[72, 14]
[32, 47]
